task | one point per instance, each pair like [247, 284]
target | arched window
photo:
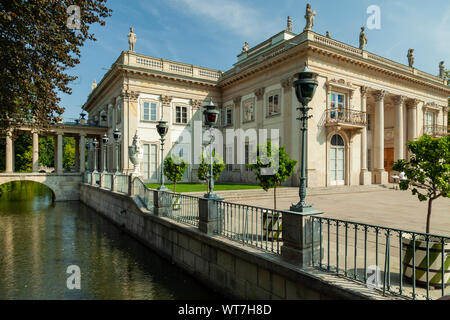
[337, 141]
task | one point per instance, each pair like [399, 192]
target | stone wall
[232, 269]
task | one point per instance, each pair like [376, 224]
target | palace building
[365, 109]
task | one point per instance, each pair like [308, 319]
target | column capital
[399, 100]
[129, 95]
[445, 109]
[379, 95]
[196, 104]
[237, 100]
[412, 103]
[259, 93]
[166, 100]
[287, 83]
[364, 91]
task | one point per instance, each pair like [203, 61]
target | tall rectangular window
[181, 114]
[228, 117]
[273, 106]
[229, 158]
[369, 122]
[149, 111]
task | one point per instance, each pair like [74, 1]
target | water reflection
[40, 239]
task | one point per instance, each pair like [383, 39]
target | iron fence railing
[108, 181]
[348, 116]
[400, 262]
[250, 225]
[122, 183]
[144, 193]
[181, 207]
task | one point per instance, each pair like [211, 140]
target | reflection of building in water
[364, 111]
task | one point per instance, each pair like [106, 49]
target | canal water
[39, 240]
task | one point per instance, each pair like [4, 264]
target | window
[337, 101]
[273, 106]
[428, 122]
[119, 114]
[369, 122]
[228, 120]
[180, 114]
[247, 157]
[249, 110]
[369, 159]
[149, 111]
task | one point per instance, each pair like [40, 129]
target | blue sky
[211, 33]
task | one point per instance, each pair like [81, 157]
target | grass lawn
[195, 187]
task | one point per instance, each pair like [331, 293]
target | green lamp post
[211, 117]
[162, 129]
[305, 87]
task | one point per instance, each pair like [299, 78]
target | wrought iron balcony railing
[436, 130]
[346, 116]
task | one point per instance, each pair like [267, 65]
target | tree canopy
[428, 171]
[174, 169]
[38, 43]
[286, 167]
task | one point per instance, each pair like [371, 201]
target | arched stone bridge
[65, 187]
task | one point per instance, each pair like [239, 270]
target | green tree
[47, 151]
[38, 44]
[69, 153]
[205, 167]
[174, 169]
[428, 171]
[23, 153]
[264, 160]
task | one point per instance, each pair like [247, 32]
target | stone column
[9, 152]
[129, 126]
[237, 124]
[82, 159]
[59, 152]
[412, 120]
[381, 176]
[398, 130]
[365, 176]
[259, 93]
[35, 151]
[100, 155]
[287, 113]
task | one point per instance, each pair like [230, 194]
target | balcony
[436, 130]
[345, 118]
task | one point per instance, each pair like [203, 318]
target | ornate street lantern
[305, 87]
[211, 116]
[162, 129]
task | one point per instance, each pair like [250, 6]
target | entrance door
[149, 164]
[337, 163]
[389, 161]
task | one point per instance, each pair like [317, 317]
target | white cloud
[238, 18]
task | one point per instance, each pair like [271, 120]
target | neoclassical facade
[365, 109]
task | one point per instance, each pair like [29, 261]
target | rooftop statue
[131, 39]
[309, 16]
[441, 70]
[362, 39]
[94, 85]
[245, 47]
[411, 57]
[328, 35]
[289, 24]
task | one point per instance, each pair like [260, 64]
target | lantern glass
[117, 134]
[105, 139]
[211, 118]
[162, 128]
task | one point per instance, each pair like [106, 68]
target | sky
[211, 33]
